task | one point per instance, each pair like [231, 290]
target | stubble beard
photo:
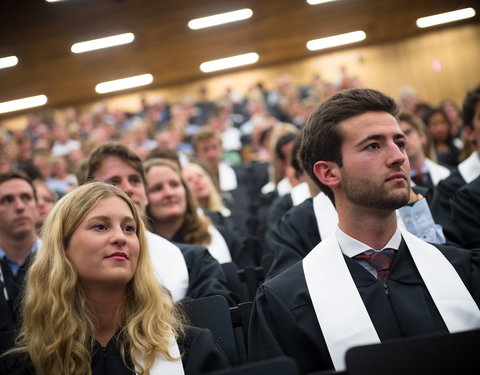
[373, 194]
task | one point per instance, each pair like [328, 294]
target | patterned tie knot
[381, 261]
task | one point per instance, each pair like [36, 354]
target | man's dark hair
[18, 174]
[322, 138]
[160, 152]
[469, 104]
[115, 149]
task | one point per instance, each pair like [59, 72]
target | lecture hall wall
[439, 64]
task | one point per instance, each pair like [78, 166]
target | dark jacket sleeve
[465, 207]
[206, 277]
[200, 351]
[440, 206]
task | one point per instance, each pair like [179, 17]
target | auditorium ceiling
[40, 35]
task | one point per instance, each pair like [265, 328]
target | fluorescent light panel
[336, 40]
[109, 41]
[124, 83]
[220, 19]
[315, 2]
[229, 62]
[7, 62]
[18, 104]
[438, 19]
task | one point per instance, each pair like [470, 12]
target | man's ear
[327, 172]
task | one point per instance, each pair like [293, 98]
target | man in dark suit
[369, 281]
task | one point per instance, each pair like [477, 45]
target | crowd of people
[110, 220]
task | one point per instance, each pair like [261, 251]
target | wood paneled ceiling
[41, 34]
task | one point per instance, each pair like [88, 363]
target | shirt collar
[351, 247]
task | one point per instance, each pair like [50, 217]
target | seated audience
[92, 304]
[467, 171]
[188, 271]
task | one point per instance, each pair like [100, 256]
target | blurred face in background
[167, 197]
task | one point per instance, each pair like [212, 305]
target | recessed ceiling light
[336, 40]
[109, 41]
[7, 62]
[315, 2]
[124, 83]
[229, 62]
[220, 19]
[438, 19]
[24, 103]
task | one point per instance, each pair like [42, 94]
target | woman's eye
[129, 228]
[99, 227]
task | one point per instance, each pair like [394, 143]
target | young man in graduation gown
[188, 271]
[18, 242]
[338, 296]
[467, 171]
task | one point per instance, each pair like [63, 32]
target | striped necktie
[381, 261]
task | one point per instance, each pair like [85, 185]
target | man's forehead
[15, 186]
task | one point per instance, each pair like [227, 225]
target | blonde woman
[92, 304]
[204, 189]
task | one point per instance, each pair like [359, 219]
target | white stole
[227, 177]
[168, 265]
[218, 247]
[470, 168]
[340, 311]
[162, 365]
[299, 193]
[326, 215]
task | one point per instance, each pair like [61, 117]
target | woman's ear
[327, 172]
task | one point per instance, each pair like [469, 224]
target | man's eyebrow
[379, 137]
[373, 137]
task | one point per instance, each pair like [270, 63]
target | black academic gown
[205, 275]
[9, 310]
[292, 237]
[201, 353]
[465, 208]
[440, 205]
[278, 208]
[283, 321]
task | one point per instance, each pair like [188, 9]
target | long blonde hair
[58, 327]
[214, 202]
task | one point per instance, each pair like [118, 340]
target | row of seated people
[128, 180]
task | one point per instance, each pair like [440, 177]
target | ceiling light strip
[336, 40]
[220, 19]
[438, 19]
[24, 103]
[109, 41]
[124, 83]
[7, 62]
[315, 2]
[229, 62]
